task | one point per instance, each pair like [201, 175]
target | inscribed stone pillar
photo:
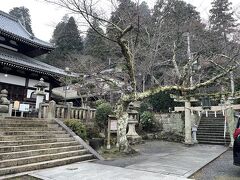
[51, 110]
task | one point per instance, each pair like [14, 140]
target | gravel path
[220, 169]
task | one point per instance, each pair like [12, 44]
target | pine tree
[95, 45]
[23, 15]
[221, 18]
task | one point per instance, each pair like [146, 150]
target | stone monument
[132, 135]
[40, 92]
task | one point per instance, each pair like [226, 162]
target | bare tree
[183, 73]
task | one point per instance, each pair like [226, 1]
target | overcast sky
[45, 17]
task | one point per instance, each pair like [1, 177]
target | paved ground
[156, 160]
[220, 169]
[92, 171]
[169, 158]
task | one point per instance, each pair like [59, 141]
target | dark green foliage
[100, 101]
[144, 106]
[22, 13]
[93, 132]
[162, 101]
[147, 121]
[67, 41]
[95, 44]
[102, 112]
[77, 127]
[221, 17]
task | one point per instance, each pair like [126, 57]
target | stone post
[132, 135]
[194, 134]
[230, 120]
[188, 124]
[69, 109]
[51, 110]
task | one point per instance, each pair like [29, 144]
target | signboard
[16, 105]
[113, 125]
[24, 107]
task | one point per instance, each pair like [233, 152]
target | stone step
[209, 122]
[40, 158]
[24, 118]
[37, 146]
[211, 125]
[37, 152]
[32, 132]
[211, 133]
[212, 139]
[23, 121]
[44, 164]
[3, 129]
[213, 142]
[35, 141]
[211, 136]
[30, 137]
[29, 125]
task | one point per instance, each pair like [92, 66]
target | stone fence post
[69, 109]
[51, 110]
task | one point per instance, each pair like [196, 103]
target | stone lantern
[4, 103]
[40, 92]
[132, 135]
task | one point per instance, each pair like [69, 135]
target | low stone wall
[171, 122]
[171, 126]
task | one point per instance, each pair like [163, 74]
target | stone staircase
[211, 130]
[28, 144]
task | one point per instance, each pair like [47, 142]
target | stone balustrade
[68, 111]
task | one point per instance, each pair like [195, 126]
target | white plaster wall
[11, 79]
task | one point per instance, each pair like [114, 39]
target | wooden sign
[113, 125]
[16, 105]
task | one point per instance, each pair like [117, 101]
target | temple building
[19, 68]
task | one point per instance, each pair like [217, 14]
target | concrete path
[92, 171]
[156, 160]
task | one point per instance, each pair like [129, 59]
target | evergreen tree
[95, 45]
[67, 40]
[221, 18]
[23, 15]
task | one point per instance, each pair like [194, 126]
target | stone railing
[68, 111]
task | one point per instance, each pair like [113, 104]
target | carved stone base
[3, 108]
[134, 139]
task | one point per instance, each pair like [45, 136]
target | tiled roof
[11, 26]
[19, 60]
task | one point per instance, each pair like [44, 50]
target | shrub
[100, 101]
[144, 106]
[147, 121]
[102, 112]
[93, 132]
[78, 127]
